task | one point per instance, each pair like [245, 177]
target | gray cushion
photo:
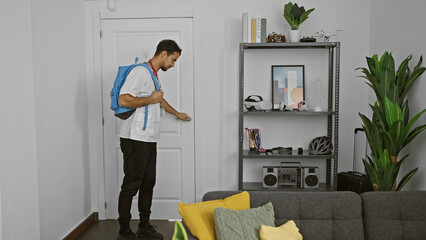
[319, 215]
[394, 215]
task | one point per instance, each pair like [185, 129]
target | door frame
[94, 94]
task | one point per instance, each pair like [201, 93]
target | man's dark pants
[140, 160]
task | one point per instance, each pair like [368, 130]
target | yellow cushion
[199, 217]
[287, 231]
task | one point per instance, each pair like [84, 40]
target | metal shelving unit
[257, 186]
[289, 113]
[332, 115]
[248, 154]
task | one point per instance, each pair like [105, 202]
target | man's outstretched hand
[183, 117]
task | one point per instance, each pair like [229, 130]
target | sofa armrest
[394, 215]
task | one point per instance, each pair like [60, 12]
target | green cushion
[242, 224]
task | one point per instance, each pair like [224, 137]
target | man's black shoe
[127, 235]
[149, 232]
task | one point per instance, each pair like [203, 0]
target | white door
[123, 40]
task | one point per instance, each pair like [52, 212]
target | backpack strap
[154, 78]
[157, 87]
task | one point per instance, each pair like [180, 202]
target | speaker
[270, 177]
[310, 178]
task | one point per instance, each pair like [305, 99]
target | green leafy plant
[388, 131]
[295, 15]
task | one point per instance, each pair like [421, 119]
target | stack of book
[254, 29]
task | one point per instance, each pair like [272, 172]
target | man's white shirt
[139, 83]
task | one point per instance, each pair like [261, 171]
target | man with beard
[139, 135]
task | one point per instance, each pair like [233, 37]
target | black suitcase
[351, 180]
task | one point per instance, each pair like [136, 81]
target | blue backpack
[123, 71]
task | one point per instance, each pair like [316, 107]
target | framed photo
[288, 83]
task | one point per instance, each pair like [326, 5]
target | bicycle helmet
[320, 145]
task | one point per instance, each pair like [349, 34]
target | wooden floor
[108, 229]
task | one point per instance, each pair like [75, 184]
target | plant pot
[294, 35]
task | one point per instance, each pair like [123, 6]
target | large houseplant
[388, 131]
[295, 16]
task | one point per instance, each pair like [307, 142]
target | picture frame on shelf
[288, 85]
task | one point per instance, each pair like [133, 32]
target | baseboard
[94, 217]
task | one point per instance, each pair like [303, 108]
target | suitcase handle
[354, 160]
[359, 130]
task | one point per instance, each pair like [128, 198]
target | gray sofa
[345, 215]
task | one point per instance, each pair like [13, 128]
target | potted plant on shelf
[295, 16]
[388, 131]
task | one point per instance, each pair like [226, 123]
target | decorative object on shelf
[302, 106]
[283, 151]
[263, 30]
[288, 108]
[255, 144]
[290, 175]
[318, 109]
[294, 35]
[276, 38]
[326, 35]
[388, 131]
[318, 93]
[278, 150]
[288, 150]
[288, 85]
[310, 177]
[320, 146]
[270, 177]
[246, 28]
[282, 106]
[251, 134]
[295, 16]
[308, 39]
[253, 101]
[256, 103]
[254, 29]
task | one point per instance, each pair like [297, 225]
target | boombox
[290, 176]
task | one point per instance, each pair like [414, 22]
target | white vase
[294, 35]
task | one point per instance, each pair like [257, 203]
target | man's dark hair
[169, 46]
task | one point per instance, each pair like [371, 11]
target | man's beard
[164, 69]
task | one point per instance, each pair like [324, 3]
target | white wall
[18, 164]
[61, 115]
[218, 30]
[404, 35]
[1, 224]
[44, 167]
